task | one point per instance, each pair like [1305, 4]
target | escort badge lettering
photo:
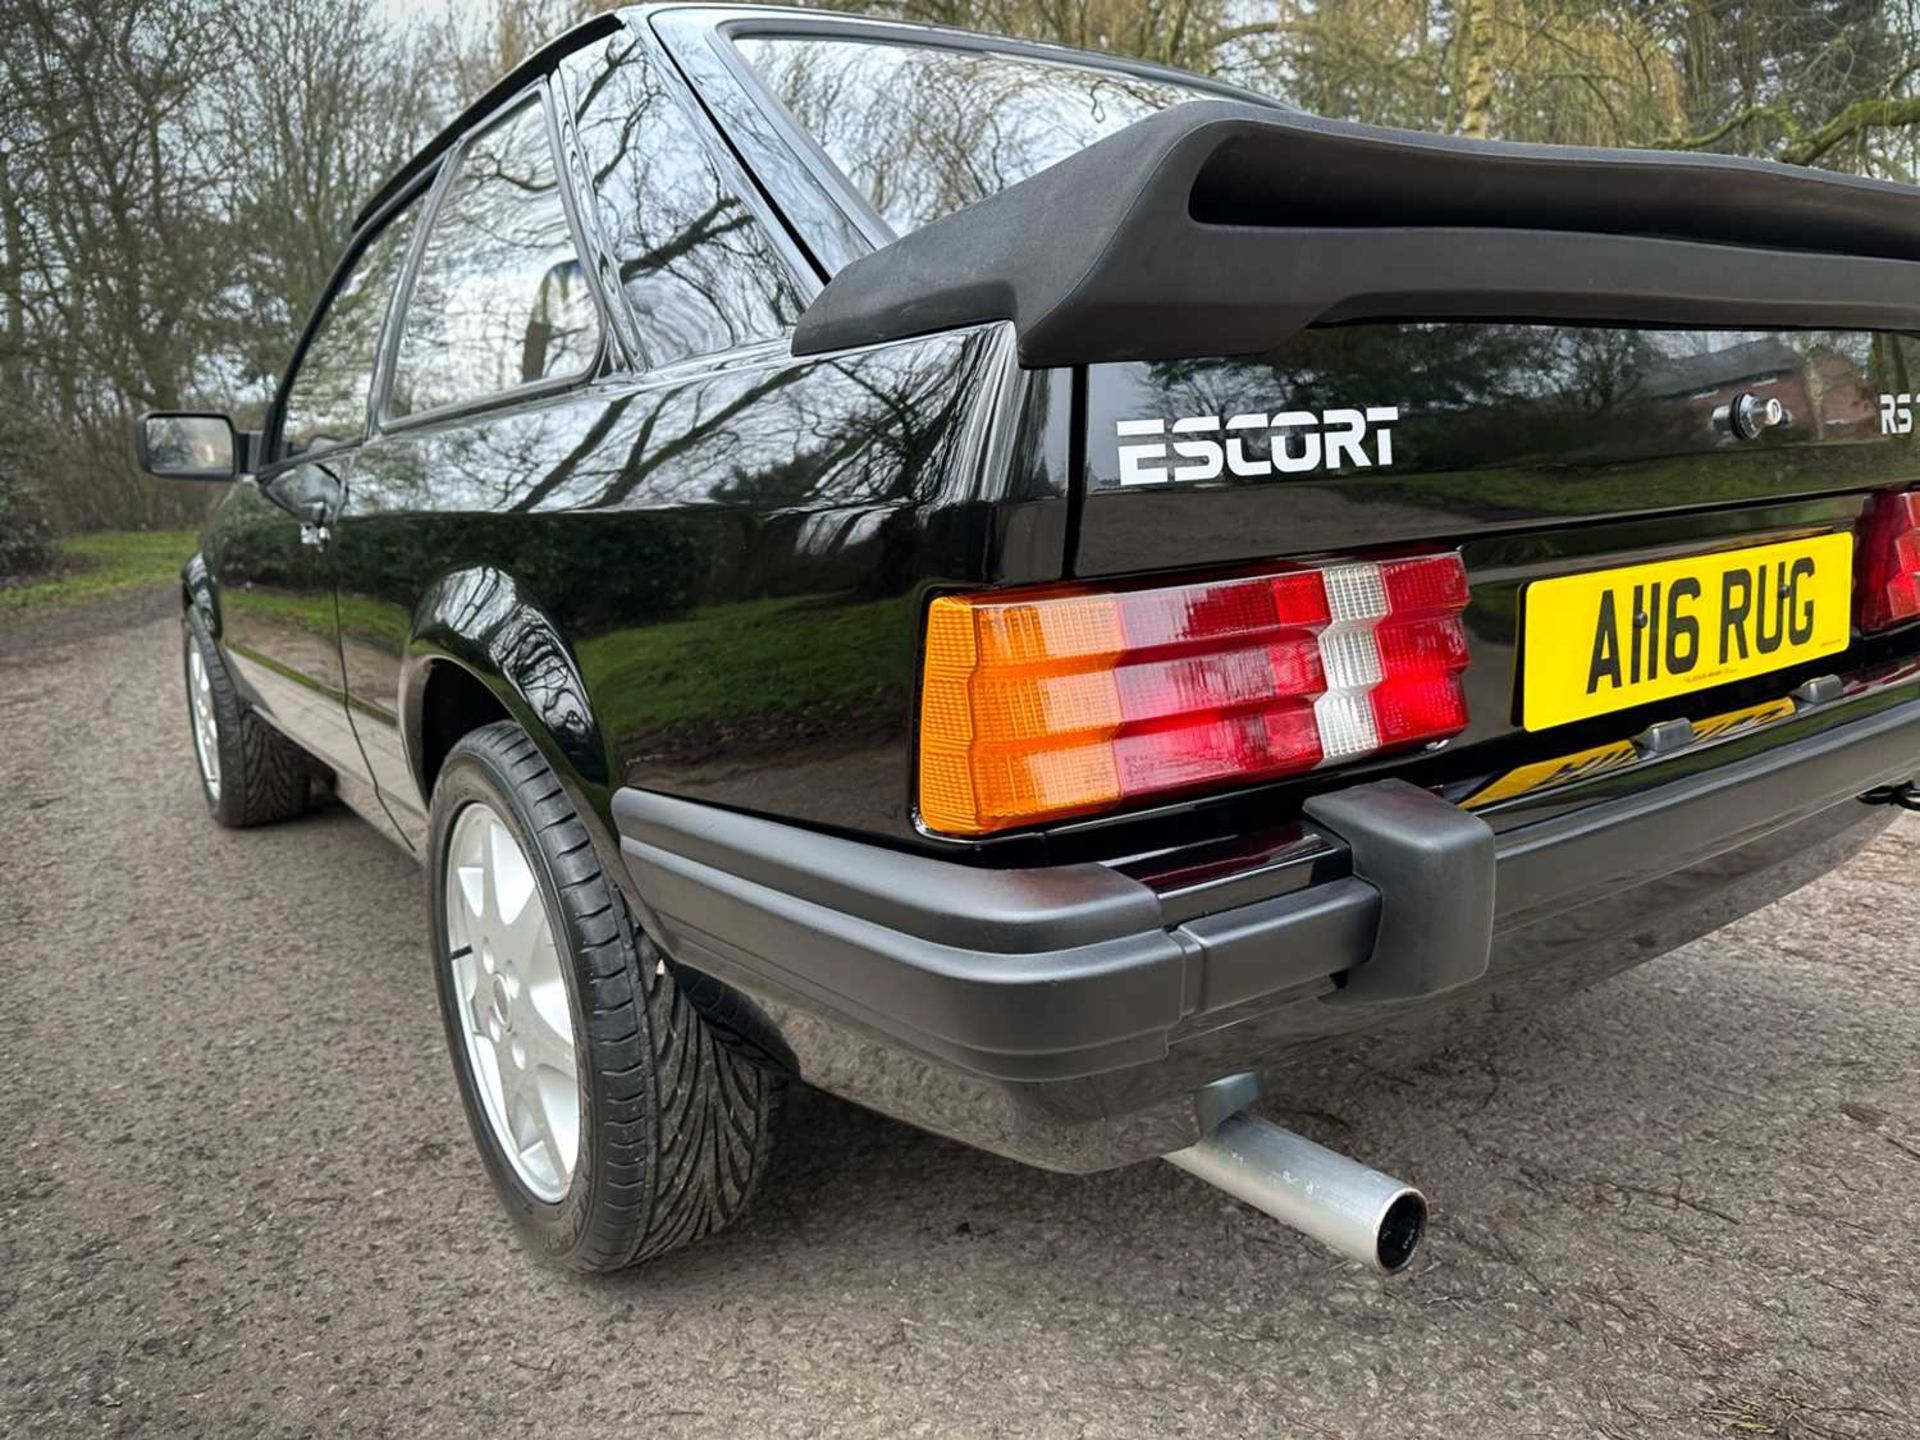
[1251, 446]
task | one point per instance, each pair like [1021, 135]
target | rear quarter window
[698, 272]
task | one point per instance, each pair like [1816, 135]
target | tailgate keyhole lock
[1747, 416]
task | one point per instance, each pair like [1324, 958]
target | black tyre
[249, 772]
[614, 1122]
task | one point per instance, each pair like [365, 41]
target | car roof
[816, 22]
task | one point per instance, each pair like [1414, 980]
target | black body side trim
[1219, 228]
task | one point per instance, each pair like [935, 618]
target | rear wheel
[249, 773]
[614, 1123]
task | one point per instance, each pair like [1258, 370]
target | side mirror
[177, 445]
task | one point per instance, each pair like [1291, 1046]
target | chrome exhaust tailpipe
[1366, 1216]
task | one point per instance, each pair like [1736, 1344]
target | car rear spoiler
[1220, 228]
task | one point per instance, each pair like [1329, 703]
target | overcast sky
[471, 12]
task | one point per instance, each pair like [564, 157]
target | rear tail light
[1889, 578]
[1042, 704]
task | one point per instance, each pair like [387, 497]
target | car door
[269, 549]
[498, 324]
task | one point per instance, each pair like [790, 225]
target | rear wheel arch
[454, 702]
[449, 690]
[481, 622]
[481, 649]
[513, 663]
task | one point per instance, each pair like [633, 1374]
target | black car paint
[1501, 428]
[595, 554]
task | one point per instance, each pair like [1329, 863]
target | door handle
[313, 524]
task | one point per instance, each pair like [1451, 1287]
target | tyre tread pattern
[687, 1120]
[264, 777]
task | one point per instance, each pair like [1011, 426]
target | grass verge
[102, 564]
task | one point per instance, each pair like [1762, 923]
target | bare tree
[324, 101]
[114, 279]
[177, 178]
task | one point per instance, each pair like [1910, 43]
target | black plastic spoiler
[1218, 228]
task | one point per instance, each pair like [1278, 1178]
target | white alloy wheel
[206, 725]
[512, 997]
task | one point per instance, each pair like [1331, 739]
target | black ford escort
[1023, 589]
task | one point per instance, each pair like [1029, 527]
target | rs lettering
[1896, 414]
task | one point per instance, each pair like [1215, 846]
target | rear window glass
[921, 130]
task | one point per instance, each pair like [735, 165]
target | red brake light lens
[1889, 571]
[1049, 703]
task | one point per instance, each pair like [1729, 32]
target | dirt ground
[240, 1198]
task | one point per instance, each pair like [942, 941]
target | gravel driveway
[240, 1197]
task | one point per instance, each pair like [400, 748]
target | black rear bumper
[1084, 996]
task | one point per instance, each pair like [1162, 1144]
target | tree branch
[1855, 120]
[1778, 114]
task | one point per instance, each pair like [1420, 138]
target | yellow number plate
[1614, 639]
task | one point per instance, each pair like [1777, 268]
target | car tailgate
[1378, 435]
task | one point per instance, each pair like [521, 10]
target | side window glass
[698, 271]
[327, 397]
[500, 299]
